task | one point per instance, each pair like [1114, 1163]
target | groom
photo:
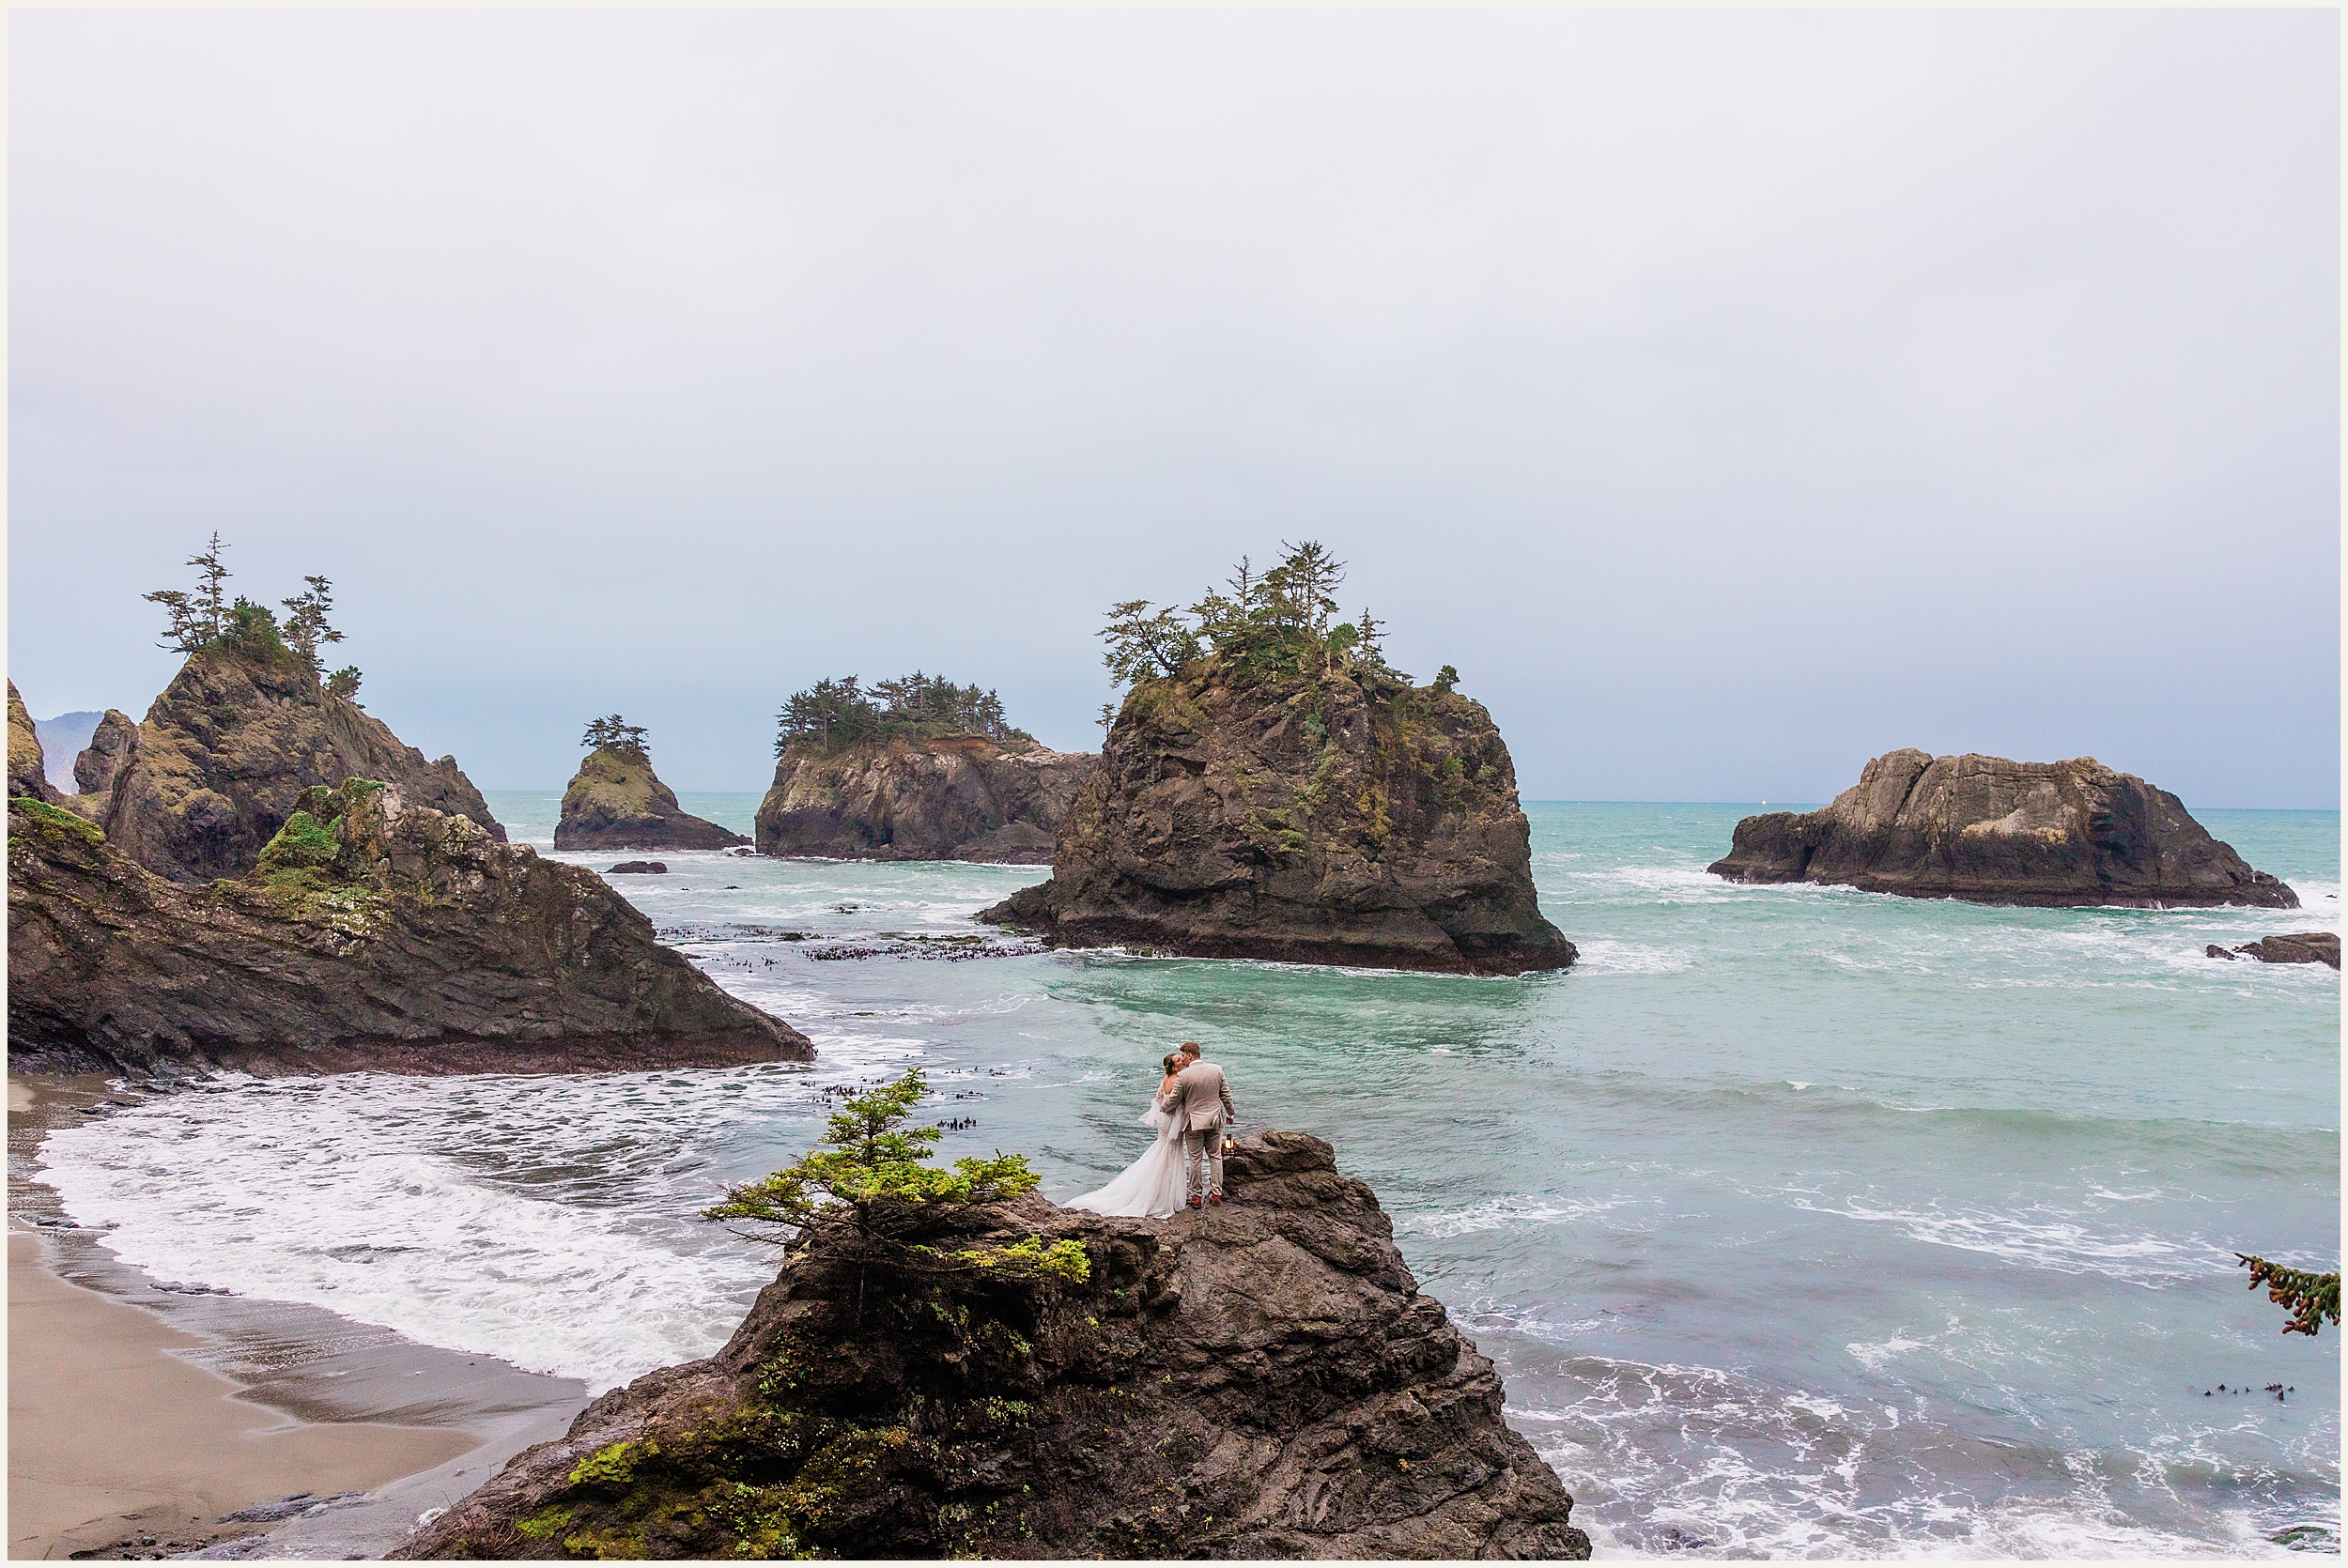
[1202, 1100]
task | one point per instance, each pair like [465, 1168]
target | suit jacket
[1200, 1096]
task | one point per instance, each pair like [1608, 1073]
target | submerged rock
[238, 735]
[28, 769]
[639, 869]
[945, 797]
[1998, 832]
[112, 745]
[2297, 947]
[1261, 1379]
[372, 935]
[615, 802]
[1346, 818]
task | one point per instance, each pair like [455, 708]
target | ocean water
[1800, 1221]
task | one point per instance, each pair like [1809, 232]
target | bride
[1152, 1186]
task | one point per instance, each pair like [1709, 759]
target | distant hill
[61, 741]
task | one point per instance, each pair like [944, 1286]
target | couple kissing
[1185, 1162]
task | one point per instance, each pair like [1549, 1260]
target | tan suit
[1202, 1101]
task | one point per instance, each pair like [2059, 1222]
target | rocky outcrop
[2298, 947]
[64, 738]
[640, 867]
[236, 737]
[1997, 832]
[373, 935]
[112, 745]
[950, 797]
[28, 772]
[1348, 819]
[1258, 1380]
[615, 802]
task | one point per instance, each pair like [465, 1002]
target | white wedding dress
[1153, 1186]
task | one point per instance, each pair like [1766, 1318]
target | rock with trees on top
[917, 768]
[252, 719]
[1272, 788]
[616, 802]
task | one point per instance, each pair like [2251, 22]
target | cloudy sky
[1731, 396]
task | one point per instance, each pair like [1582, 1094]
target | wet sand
[137, 1416]
[111, 1434]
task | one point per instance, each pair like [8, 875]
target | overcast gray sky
[1731, 396]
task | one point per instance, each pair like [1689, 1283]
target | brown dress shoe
[1194, 1201]
[1216, 1198]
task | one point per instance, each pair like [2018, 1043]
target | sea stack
[371, 935]
[1272, 790]
[110, 745]
[1261, 1381]
[616, 802]
[914, 769]
[242, 730]
[1992, 831]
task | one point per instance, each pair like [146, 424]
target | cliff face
[1998, 832]
[956, 797]
[1258, 1380]
[374, 935]
[1348, 820]
[615, 802]
[234, 737]
[27, 768]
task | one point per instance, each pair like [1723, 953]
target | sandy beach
[137, 1418]
[110, 1436]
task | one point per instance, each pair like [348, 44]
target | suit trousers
[1202, 1144]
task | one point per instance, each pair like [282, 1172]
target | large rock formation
[110, 745]
[241, 731]
[949, 797]
[615, 802]
[28, 771]
[373, 935]
[1348, 818]
[1258, 1380]
[1997, 832]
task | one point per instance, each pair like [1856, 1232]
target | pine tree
[307, 626]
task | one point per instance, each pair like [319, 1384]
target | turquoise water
[1798, 1221]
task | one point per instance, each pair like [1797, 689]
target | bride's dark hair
[1171, 1058]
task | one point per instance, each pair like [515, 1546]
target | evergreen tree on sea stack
[616, 802]
[1272, 787]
